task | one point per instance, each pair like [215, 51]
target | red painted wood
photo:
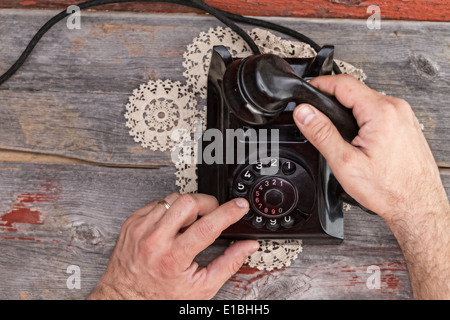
[425, 10]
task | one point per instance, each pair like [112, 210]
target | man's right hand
[389, 169]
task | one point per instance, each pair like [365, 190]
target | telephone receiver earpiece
[259, 88]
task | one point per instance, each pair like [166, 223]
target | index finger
[208, 228]
[351, 93]
[184, 211]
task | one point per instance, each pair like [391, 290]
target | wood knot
[87, 234]
[424, 66]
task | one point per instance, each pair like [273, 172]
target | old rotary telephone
[292, 195]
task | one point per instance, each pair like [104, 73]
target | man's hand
[153, 259]
[389, 169]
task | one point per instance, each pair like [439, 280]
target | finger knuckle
[400, 103]
[404, 107]
[126, 225]
[186, 199]
[235, 266]
[321, 132]
[388, 110]
[398, 111]
[130, 233]
[174, 195]
[213, 200]
[388, 105]
[348, 157]
[206, 229]
[344, 76]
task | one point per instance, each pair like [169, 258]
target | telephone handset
[291, 190]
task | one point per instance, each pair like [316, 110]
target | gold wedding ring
[164, 203]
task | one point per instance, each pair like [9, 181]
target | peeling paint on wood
[431, 10]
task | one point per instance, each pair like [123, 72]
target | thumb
[226, 265]
[321, 132]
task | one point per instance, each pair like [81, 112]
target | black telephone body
[293, 194]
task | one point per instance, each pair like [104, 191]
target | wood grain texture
[69, 98]
[56, 215]
[429, 10]
[68, 101]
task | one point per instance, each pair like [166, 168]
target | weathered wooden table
[70, 173]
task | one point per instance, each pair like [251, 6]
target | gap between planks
[29, 156]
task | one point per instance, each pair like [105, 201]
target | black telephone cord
[225, 17]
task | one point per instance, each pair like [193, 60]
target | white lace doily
[183, 156]
[159, 113]
[157, 109]
[275, 254]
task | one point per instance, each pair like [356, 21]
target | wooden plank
[70, 96]
[56, 215]
[63, 124]
[430, 10]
